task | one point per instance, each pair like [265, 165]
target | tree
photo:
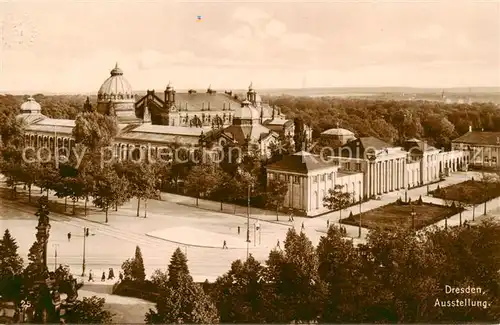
[48, 176]
[10, 261]
[89, 310]
[94, 130]
[109, 190]
[337, 199]
[12, 132]
[141, 180]
[133, 268]
[294, 285]
[138, 272]
[11, 266]
[11, 163]
[340, 268]
[276, 193]
[299, 136]
[223, 190]
[182, 301]
[202, 180]
[239, 294]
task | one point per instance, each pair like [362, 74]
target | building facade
[366, 167]
[483, 148]
[309, 178]
[190, 119]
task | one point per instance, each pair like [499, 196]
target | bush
[137, 289]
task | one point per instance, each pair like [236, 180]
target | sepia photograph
[249, 162]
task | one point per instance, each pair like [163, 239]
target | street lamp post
[86, 233]
[359, 232]
[413, 214]
[55, 256]
[254, 234]
[248, 219]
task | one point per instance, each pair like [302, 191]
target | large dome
[30, 106]
[115, 87]
[246, 112]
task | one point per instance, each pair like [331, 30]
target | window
[271, 176]
[494, 160]
[323, 177]
[315, 179]
[296, 179]
[486, 160]
[330, 176]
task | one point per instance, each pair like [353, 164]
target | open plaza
[175, 221]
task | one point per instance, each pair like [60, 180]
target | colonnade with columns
[385, 176]
[119, 150]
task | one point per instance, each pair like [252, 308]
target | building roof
[165, 129]
[358, 147]
[204, 101]
[31, 118]
[31, 106]
[416, 144]
[51, 125]
[479, 137]
[277, 121]
[239, 133]
[246, 111]
[117, 85]
[338, 132]
[301, 162]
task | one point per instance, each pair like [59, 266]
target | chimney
[470, 128]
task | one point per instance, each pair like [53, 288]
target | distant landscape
[475, 94]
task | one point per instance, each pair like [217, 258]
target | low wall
[454, 220]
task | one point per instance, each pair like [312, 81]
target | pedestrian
[224, 245]
[302, 228]
[69, 236]
[91, 276]
[120, 276]
[239, 230]
[278, 244]
[111, 274]
[328, 224]
[103, 277]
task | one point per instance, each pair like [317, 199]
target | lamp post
[359, 232]
[413, 214]
[55, 256]
[86, 233]
[248, 218]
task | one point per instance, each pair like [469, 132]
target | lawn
[469, 192]
[394, 215]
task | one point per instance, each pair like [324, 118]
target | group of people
[111, 275]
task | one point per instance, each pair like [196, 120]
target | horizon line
[35, 92]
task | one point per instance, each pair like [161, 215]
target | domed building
[115, 98]
[183, 118]
[338, 134]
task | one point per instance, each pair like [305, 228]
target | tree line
[395, 277]
[390, 120]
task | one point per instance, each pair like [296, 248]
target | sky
[70, 46]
